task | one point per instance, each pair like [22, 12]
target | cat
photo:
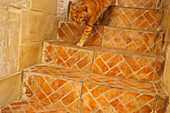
[87, 12]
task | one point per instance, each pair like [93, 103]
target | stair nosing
[109, 50]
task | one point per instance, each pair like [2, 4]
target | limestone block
[165, 19]
[9, 41]
[36, 26]
[166, 25]
[20, 3]
[10, 89]
[167, 70]
[29, 54]
[4, 4]
[47, 6]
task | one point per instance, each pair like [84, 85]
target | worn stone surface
[166, 76]
[63, 9]
[47, 6]
[20, 3]
[10, 89]
[29, 54]
[9, 29]
[4, 4]
[36, 26]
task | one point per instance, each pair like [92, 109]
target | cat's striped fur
[88, 11]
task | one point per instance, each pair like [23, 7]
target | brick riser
[102, 60]
[116, 38]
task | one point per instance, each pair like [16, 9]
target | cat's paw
[80, 44]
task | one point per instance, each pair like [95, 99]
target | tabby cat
[88, 11]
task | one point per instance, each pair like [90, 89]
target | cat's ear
[85, 8]
[73, 6]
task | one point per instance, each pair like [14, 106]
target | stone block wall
[63, 9]
[166, 48]
[24, 25]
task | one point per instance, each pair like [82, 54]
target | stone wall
[24, 25]
[63, 9]
[166, 48]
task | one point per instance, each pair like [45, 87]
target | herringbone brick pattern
[134, 18]
[53, 90]
[108, 100]
[132, 40]
[72, 32]
[68, 57]
[124, 66]
[111, 62]
[30, 106]
[150, 4]
[119, 82]
[50, 88]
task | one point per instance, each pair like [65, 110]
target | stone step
[111, 37]
[92, 92]
[113, 62]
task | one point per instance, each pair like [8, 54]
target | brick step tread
[128, 64]
[112, 37]
[32, 106]
[96, 79]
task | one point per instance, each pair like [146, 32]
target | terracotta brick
[117, 65]
[138, 4]
[118, 106]
[134, 18]
[72, 32]
[36, 107]
[129, 40]
[69, 57]
[115, 100]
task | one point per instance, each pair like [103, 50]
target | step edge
[139, 30]
[98, 49]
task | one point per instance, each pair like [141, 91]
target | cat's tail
[68, 10]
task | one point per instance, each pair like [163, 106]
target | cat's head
[79, 13]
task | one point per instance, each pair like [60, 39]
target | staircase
[117, 71]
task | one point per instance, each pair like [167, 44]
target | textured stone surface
[37, 26]
[62, 9]
[29, 54]
[9, 41]
[47, 6]
[20, 3]
[166, 77]
[10, 89]
[4, 4]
